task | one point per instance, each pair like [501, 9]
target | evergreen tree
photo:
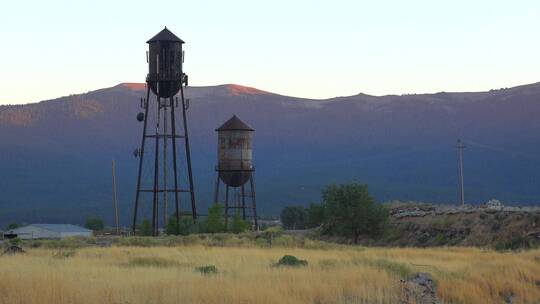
[293, 217]
[238, 225]
[12, 226]
[184, 227]
[214, 221]
[145, 229]
[315, 215]
[94, 223]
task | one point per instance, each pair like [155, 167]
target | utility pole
[460, 146]
[115, 200]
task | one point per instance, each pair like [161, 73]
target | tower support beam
[248, 212]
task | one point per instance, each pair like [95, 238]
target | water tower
[165, 80]
[235, 168]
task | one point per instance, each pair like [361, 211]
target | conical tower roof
[235, 124]
[165, 35]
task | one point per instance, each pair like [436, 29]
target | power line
[503, 151]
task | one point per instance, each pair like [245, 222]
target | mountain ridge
[239, 89]
[55, 154]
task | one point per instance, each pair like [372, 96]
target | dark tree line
[346, 210]
[213, 223]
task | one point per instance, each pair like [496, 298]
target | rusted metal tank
[235, 153]
[165, 64]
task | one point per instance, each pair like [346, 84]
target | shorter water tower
[235, 169]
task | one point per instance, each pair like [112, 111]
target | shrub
[35, 244]
[64, 254]
[262, 242]
[190, 240]
[515, 242]
[74, 242]
[238, 241]
[94, 223]
[145, 228]
[500, 216]
[423, 239]
[393, 234]
[315, 215]
[151, 262]
[12, 226]
[238, 225]
[443, 223]
[291, 260]
[495, 226]
[214, 221]
[293, 217]
[207, 270]
[440, 240]
[184, 227]
[14, 242]
[273, 231]
[269, 234]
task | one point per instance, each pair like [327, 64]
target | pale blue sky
[314, 49]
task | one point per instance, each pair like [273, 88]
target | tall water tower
[165, 79]
[235, 168]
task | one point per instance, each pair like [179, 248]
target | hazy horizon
[237, 84]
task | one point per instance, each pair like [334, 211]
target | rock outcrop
[420, 289]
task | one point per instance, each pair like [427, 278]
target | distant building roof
[61, 227]
[165, 35]
[235, 124]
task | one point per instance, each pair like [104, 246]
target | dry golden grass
[246, 275]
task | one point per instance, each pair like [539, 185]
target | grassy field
[246, 274]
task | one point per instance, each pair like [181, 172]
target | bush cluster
[346, 210]
[291, 260]
[298, 217]
[206, 270]
[213, 223]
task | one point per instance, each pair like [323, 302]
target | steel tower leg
[254, 204]
[188, 157]
[176, 200]
[243, 194]
[216, 189]
[156, 174]
[141, 156]
[165, 184]
[226, 205]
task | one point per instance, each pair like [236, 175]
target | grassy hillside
[246, 273]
